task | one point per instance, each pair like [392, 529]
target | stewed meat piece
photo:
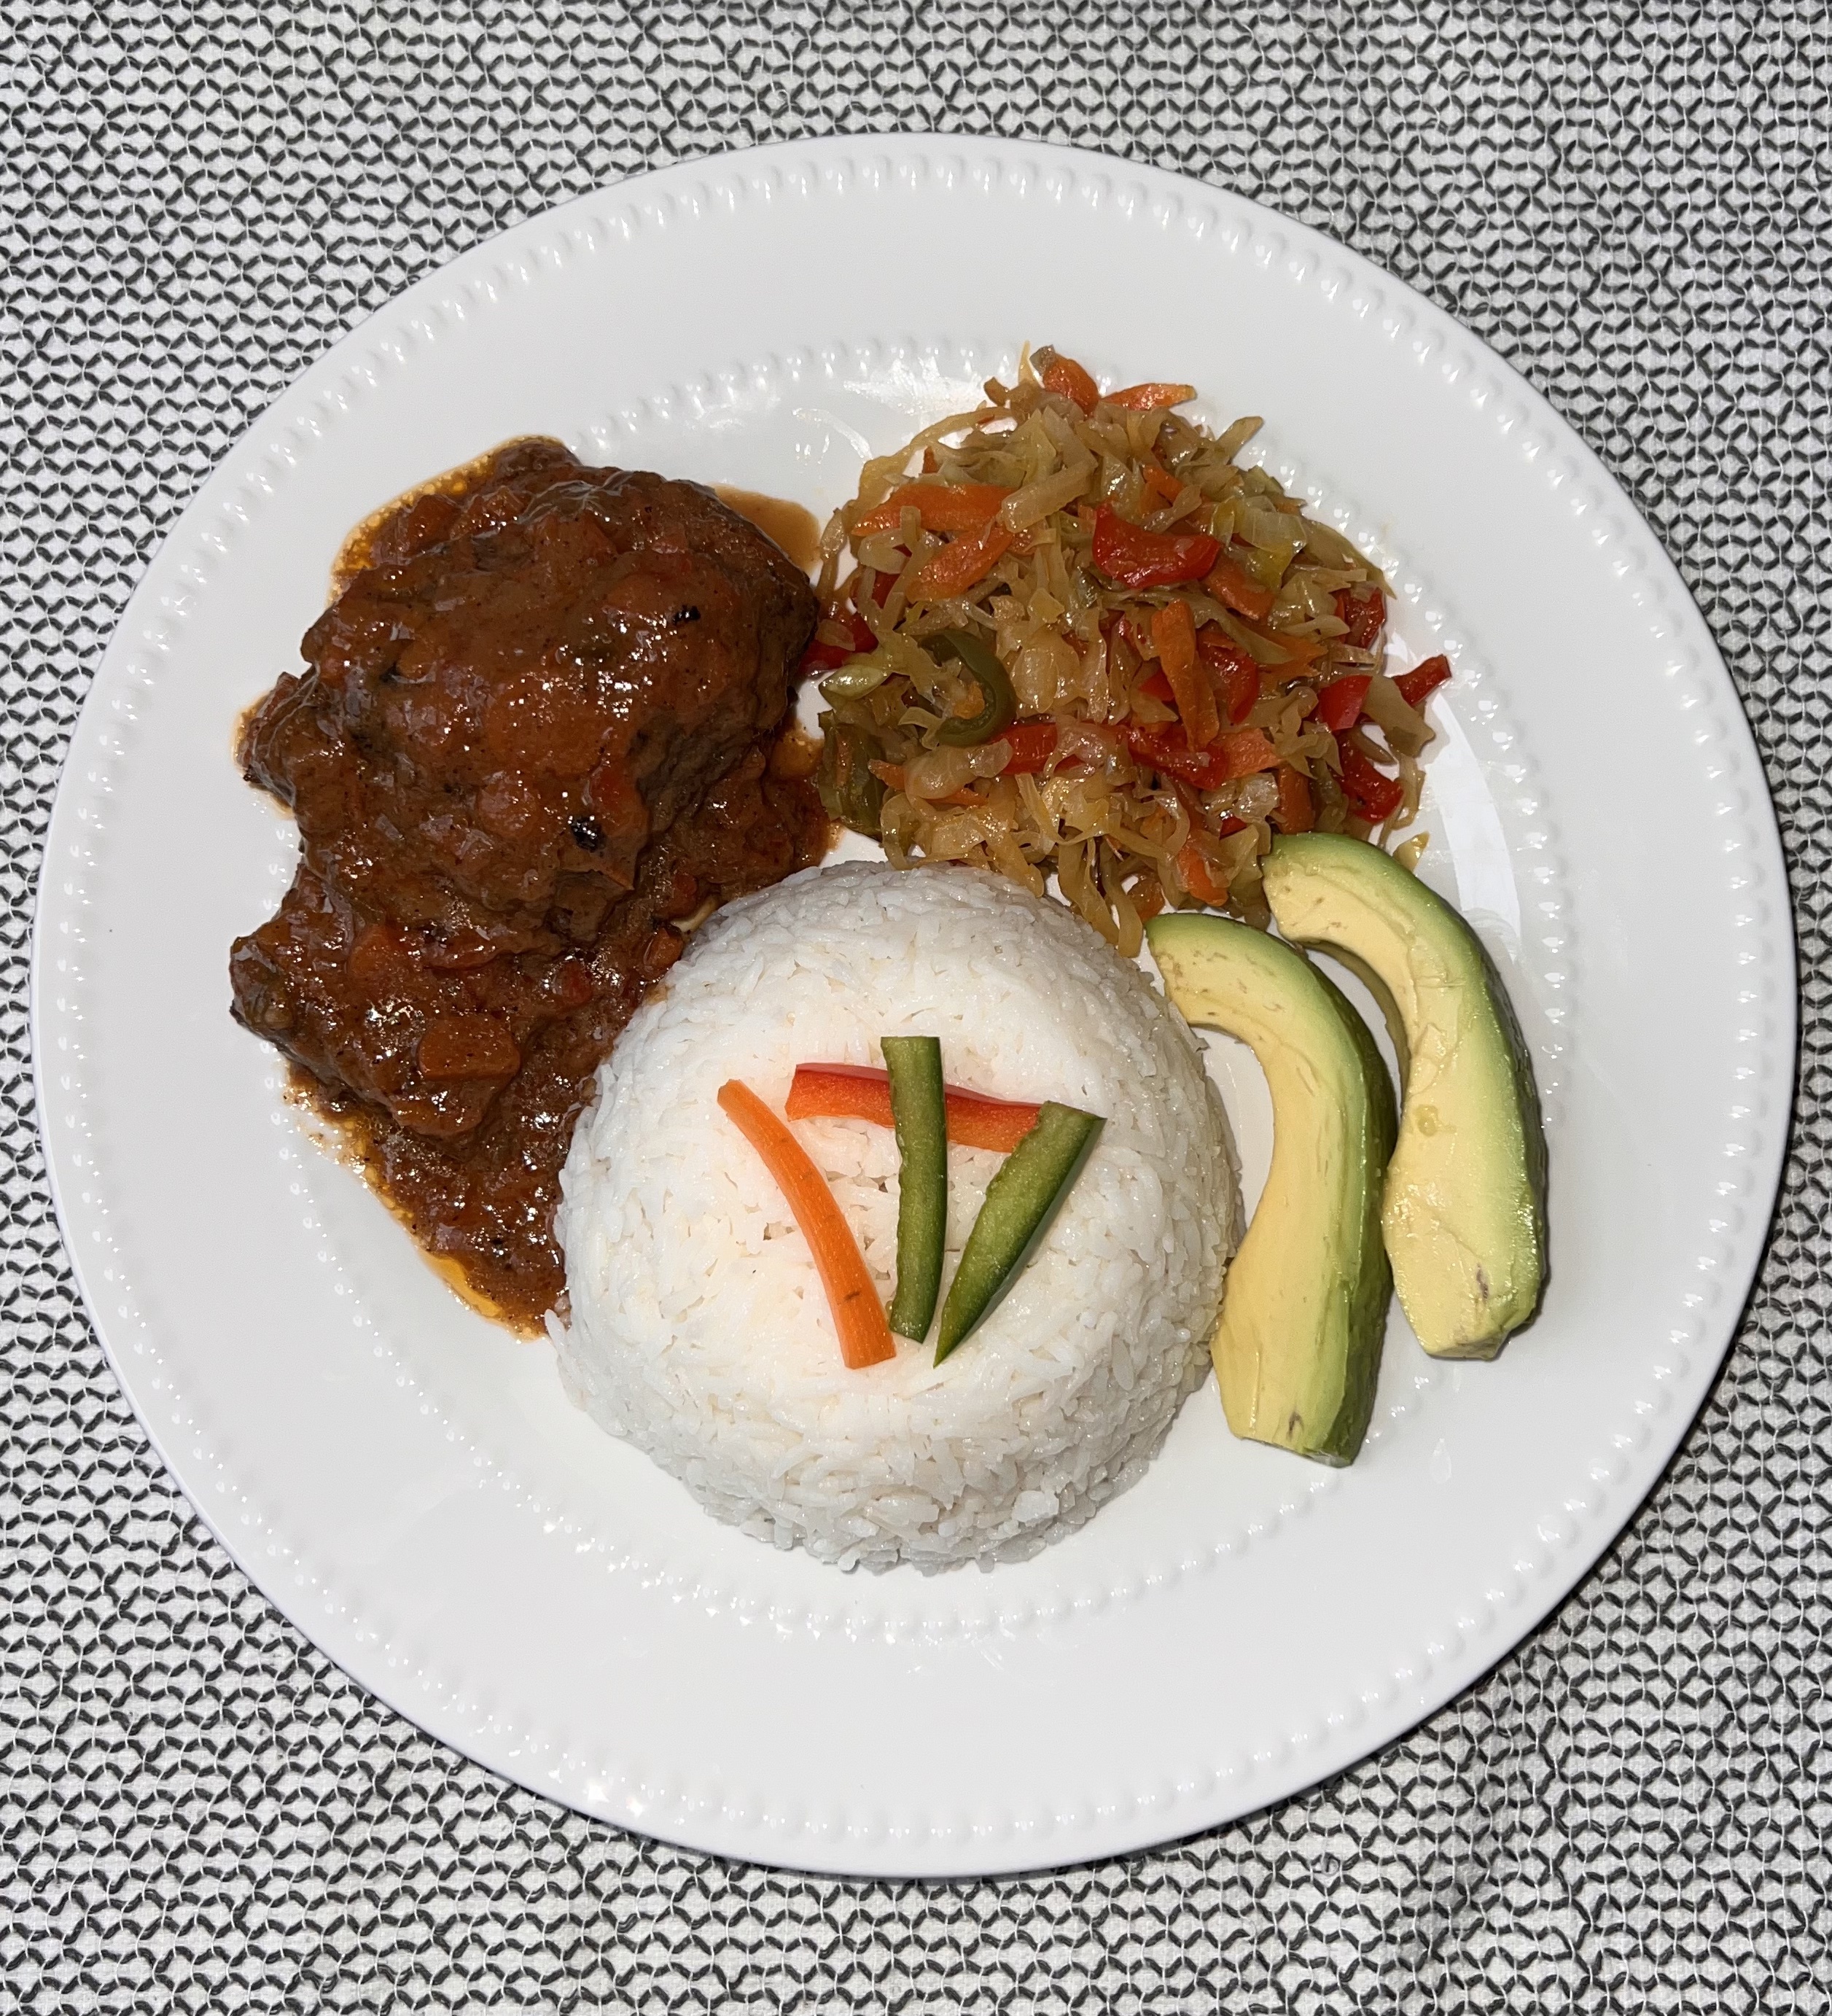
[539, 728]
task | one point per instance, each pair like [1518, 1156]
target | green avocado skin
[1297, 1346]
[1466, 1233]
[1020, 1202]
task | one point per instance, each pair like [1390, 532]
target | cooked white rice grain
[698, 1329]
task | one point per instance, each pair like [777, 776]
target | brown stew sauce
[540, 733]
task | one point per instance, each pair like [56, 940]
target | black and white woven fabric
[197, 1812]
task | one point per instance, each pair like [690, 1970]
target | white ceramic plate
[409, 1483]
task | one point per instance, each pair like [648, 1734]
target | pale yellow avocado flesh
[1296, 1349]
[1463, 1210]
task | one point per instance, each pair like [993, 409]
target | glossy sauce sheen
[540, 727]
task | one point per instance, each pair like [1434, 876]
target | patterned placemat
[198, 1813]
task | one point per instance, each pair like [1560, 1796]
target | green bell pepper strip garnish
[998, 708]
[918, 1112]
[1021, 1201]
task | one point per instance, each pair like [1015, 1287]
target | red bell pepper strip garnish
[1236, 589]
[862, 1092]
[960, 564]
[1136, 558]
[858, 1316]
[1066, 377]
[1150, 398]
[1173, 631]
[944, 507]
[1375, 795]
[1339, 704]
[1417, 686]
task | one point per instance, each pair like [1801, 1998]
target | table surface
[197, 1811]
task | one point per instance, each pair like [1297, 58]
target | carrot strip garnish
[1173, 631]
[1150, 398]
[1065, 376]
[959, 564]
[862, 1092]
[944, 507]
[859, 1315]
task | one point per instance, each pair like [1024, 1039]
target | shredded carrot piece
[1296, 810]
[945, 507]
[1236, 589]
[1244, 750]
[1066, 377]
[959, 564]
[862, 1092]
[859, 1315]
[1197, 879]
[1173, 631]
[1163, 482]
[1150, 398]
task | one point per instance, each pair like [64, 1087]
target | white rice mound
[699, 1330]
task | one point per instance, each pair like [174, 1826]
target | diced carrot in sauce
[1066, 377]
[1173, 631]
[1417, 686]
[862, 1092]
[943, 507]
[1339, 704]
[467, 1046]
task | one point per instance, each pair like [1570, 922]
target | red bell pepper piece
[1136, 558]
[1375, 795]
[1032, 743]
[1417, 686]
[821, 657]
[1238, 670]
[1364, 613]
[1339, 704]
[1235, 753]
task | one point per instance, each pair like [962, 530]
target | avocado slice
[1464, 1212]
[1298, 1348]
